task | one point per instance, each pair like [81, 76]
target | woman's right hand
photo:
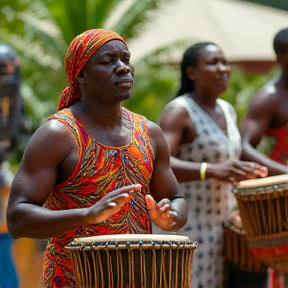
[234, 171]
[111, 203]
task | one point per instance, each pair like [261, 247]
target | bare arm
[38, 173]
[254, 127]
[178, 129]
[176, 125]
[171, 211]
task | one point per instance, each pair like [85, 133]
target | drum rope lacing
[157, 258]
[264, 213]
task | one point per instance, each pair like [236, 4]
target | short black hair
[280, 42]
[190, 59]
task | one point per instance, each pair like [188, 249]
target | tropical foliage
[42, 30]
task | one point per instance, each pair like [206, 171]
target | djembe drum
[263, 205]
[132, 261]
[236, 248]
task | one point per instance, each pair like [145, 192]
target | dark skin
[52, 155]
[210, 77]
[268, 109]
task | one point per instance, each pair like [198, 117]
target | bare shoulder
[173, 116]
[52, 140]
[266, 93]
[265, 98]
[53, 131]
[154, 130]
[175, 110]
[156, 136]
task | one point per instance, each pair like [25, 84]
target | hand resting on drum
[235, 170]
[162, 213]
[111, 203]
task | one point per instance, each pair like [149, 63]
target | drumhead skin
[131, 237]
[262, 182]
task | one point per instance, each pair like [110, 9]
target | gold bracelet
[203, 168]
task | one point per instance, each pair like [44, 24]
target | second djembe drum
[236, 248]
[132, 261]
[263, 205]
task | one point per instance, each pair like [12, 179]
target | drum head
[262, 182]
[131, 237]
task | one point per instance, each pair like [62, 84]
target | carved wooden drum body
[236, 248]
[263, 205]
[132, 261]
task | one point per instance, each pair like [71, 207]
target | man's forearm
[31, 221]
[180, 206]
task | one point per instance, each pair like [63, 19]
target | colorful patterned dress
[210, 201]
[279, 151]
[100, 169]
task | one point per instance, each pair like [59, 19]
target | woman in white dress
[205, 147]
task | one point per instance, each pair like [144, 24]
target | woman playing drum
[205, 147]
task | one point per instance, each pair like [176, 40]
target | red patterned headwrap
[79, 52]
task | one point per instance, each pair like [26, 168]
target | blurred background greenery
[41, 31]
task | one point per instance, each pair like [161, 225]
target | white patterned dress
[210, 202]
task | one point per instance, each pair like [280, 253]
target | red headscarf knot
[79, 52]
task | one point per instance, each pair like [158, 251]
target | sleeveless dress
[100, 169]
[210, 202]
